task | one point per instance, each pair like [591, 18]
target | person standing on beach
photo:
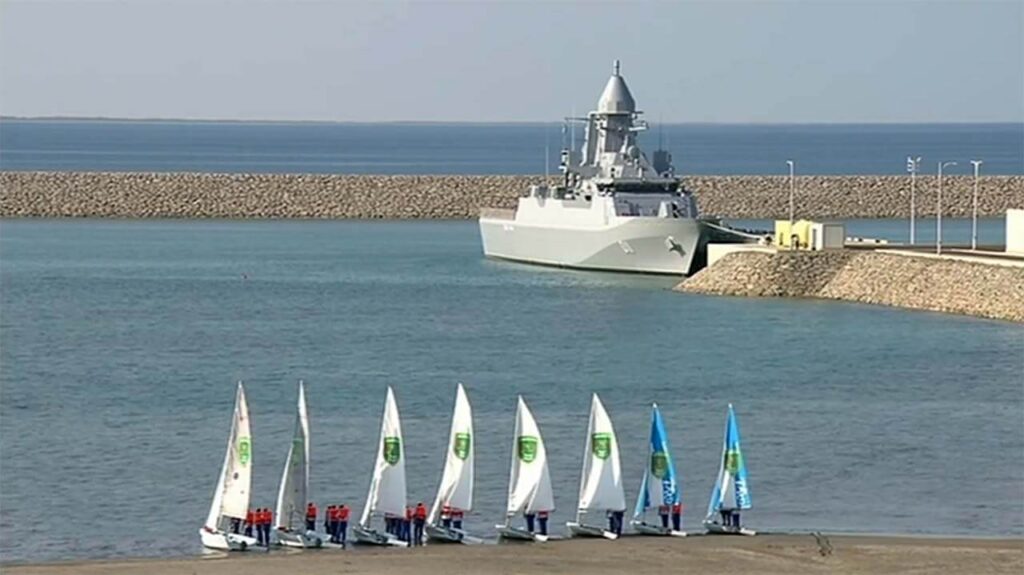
[249, 520]
[311, 513]
[542, 522]
[456, 518]
[677, 516]
[342, 531]
[420, 517]
[407, 525]
[663, 513]
[529, 520]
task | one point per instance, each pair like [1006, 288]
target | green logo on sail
[733, 460]
[244, 450]
[461, 445]
[601, 445]
[392, 450]
[527, 448]
[659, 464]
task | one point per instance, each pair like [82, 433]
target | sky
[799, 61]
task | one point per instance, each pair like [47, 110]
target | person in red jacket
[542, 521]
[268, 520]
[311, 513]
[249, 520]
[407, 525]
[342, 532]
[456, 518]
[677, 516]
[420, 518]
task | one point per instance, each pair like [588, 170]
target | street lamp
[974, 208]
[791, 188]
[912, 166]
[938, 210]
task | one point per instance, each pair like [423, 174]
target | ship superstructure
[612, 210]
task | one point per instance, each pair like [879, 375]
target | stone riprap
[874, 277]
[200, 195]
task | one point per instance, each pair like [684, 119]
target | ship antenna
[616, 68]
[547, 154]
[572, 133]
[661, 131]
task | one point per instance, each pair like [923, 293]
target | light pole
[974, 207]
[912, 166]
[791, 188]
[938, 210]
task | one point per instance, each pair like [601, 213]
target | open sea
[404, 148]
[121, 342]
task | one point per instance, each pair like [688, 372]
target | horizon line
[155, 119]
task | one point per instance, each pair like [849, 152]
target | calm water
[121, 341]
[492, 148]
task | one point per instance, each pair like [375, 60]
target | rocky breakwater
[874, 277]
[853, 196]
[195, 195]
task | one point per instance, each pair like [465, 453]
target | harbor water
[121, 342]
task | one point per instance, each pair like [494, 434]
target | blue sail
[731, 490]
[659, 485]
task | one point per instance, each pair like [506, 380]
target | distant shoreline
[765, 554]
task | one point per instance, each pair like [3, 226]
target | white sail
[294, 489]
[387, 488]
[529, 486]
[601, 481]
[231, 496]
[456, 489]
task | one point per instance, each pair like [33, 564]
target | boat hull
[300, 540]
[224, 541]
[648, 529]
[639, 245]
[719, 529]
[374, 537]
[442, 534]
[581, 530]
[509, 532]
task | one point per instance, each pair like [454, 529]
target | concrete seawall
[875, 277]
[194, 195]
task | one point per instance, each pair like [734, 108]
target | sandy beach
[763, 554]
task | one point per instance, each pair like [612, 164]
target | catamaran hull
[719, 529]
[374, 537]
[580, 530]
[648, 529]
[509, 532]
[305, 540]
[226, 541]
[641, 245]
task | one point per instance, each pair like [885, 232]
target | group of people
[259, 519]
[677, 516]
[451, 517]
[335, 521]
[410, 527]
[538, 520]
[730, 517]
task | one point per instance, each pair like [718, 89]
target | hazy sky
[719, 61]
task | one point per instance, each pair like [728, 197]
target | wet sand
[763, 554]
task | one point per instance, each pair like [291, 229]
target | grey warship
[614, 209]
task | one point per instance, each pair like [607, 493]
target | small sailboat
[731, 493]
[601, 480]
[387, 494]
[231, 496]
[455, 493]
[293, 493]
[659, 487]
[529, 484]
